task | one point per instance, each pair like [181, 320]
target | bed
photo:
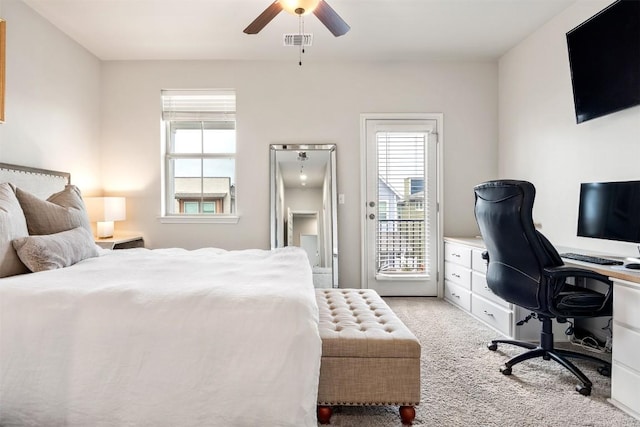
[162, 337]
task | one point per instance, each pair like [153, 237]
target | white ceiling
[388, 30]
[314, 167]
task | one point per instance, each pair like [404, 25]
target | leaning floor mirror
[303, 205]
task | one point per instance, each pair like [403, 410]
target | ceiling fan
[320, 8]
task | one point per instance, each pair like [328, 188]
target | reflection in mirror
[303, 205]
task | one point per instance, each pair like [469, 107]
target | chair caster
[585, 391]
[505, 370]
[604, 371]
[493, 346]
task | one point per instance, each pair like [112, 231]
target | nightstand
[121, 241]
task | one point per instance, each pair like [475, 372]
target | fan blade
[265, 17]
[331, 19]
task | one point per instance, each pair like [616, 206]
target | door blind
[402, 228]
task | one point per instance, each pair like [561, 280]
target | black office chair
[525, 269]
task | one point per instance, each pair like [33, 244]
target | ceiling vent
[297, 39]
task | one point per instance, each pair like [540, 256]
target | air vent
[297, 39]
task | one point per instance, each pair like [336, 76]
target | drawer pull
[453, 294]
[455, 275]
[456, 255]
[487, 313]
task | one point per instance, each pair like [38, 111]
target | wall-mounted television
[610, 210]
[604, 58]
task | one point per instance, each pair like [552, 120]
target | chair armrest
[564, 272]
[557, 276]
[485, 257]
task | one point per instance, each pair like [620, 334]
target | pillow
[57, 250]
[12, 226]
[60, 212]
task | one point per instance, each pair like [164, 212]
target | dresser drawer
[457, 254]
[479, 286]
[457, 274]
[626, 346]
[492, 314]
[477, 262]
[625, 386]
[457, 295]
[625, 305]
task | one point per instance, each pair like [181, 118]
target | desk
[625, 371]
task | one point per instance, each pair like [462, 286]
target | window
[200, 151]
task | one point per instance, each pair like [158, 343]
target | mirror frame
[331, 148]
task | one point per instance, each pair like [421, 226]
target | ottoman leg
[324, 414]
[407, 414]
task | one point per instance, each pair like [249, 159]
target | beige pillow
[60, 212]
[12, 226]
[58, 250]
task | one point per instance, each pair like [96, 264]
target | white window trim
[167, 218]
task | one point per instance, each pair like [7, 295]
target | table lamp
[104, 211]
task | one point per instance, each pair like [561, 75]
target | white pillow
[12, 226]
[58, 250]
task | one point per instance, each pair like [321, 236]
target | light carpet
[462, 384]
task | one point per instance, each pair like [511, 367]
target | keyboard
[591, 259]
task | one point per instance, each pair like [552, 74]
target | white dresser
[465, 285]
[625, 371]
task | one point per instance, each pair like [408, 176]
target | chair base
[547, 351]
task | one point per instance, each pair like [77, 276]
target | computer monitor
[610, 210]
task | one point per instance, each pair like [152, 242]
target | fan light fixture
[320, 8]
[299, 7]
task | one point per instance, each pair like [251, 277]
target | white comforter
[162, 338]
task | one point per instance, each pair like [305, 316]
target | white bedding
[162, 338]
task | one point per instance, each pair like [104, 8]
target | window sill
[199, 219]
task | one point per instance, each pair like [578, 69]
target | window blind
[402, 230]
[199, 105]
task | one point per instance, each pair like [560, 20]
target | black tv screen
[604, 58]
[610, 210]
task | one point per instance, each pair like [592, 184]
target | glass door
[401, 207]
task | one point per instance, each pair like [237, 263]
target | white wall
[285, 103]
[299, 199]
[541, 142]
[52, 105]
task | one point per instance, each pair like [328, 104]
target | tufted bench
[369, 357]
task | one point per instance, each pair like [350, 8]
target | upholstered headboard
[40, 182]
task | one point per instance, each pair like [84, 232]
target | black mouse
[634, 266]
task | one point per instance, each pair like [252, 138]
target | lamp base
[104, 229]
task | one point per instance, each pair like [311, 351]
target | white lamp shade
[104, 211]
[106, 208]
[291, 5]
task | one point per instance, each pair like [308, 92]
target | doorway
[401, 199]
